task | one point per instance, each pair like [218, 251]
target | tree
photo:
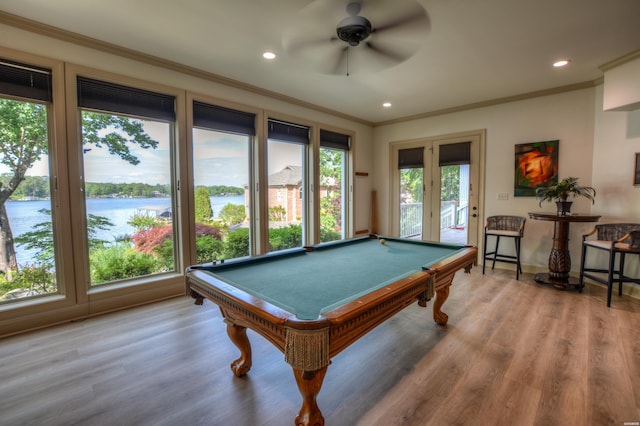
[412, 185]
[232, 214]
[143, 221]
[23, 141]
[450, 183]
[331, 166]
[277, 214]
[40, 238]
[204, 212]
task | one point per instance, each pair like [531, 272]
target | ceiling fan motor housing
[354, 29]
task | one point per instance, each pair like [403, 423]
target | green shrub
[284, 238]
[237, 244]
[329, 235]
[121, 261]
[6, 285]
[31, 278]
[209, 248]
[164, 255]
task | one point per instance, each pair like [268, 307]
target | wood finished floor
[513, 353]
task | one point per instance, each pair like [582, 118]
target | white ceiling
[472, 50]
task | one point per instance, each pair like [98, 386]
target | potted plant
[561, 191]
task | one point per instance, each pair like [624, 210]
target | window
[27, 248]
[92, 215]
[221, 145]
[286, 152]
[334, 149]
[454, 160]
[127, 139]
[411, 166]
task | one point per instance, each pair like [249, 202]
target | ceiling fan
[385, 37]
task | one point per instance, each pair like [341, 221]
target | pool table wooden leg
[309, 384]
[441, 296]
[238, 336]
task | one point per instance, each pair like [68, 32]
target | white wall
[622, 87]
[616, 140]
[568, 117]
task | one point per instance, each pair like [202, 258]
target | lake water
[23, 215]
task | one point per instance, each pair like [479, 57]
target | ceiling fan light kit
[354, 29]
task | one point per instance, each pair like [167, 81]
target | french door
[436, 187]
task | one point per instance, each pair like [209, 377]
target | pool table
[313, 302]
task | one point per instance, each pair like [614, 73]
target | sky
[219, 159]
[100, 166]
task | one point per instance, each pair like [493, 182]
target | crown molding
[620, 61]
[497, 101]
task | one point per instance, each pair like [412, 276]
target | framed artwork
[536, 165]
[636, 176]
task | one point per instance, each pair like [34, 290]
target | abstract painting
[536, 165]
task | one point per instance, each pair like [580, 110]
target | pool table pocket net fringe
[430, 292]
[307, 349]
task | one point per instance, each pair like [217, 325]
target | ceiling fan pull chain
[347, 62]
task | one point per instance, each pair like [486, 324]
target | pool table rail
[344, 324]
[354, 319]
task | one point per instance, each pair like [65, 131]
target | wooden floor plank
[514, 352]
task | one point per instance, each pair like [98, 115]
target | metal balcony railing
[451, 216]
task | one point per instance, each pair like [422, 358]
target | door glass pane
[332, 194]
[27, 255]
[221, 177]
[285, 194]
[128, 196]
[454, 203]
[411, 194]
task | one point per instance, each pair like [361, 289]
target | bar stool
[617, 240]
[503, 226]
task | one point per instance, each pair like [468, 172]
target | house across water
[158, 212]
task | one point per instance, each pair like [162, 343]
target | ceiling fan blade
[388, 53]
[294, 46]
[417, 16]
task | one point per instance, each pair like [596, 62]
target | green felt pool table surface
[310, 283]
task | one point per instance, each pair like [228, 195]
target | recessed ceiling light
[269, 55]
[561, 63]
[387, 104]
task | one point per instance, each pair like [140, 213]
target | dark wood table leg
[309, 384]
[559, 259]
